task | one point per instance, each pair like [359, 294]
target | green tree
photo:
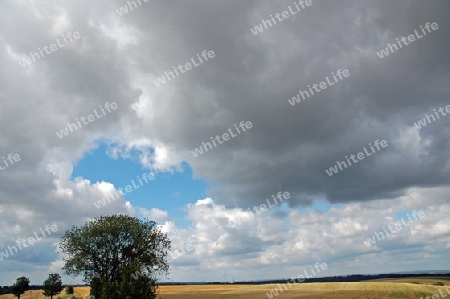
[109, 249]
[96, 287]
[52, 285]
[20, 286]
[138, 283]
[69, 290]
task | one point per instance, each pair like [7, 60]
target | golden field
[36, 294]
[331, 290]
[394, 288]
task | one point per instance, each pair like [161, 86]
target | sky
[337, 109]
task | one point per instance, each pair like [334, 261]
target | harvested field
[332, 290]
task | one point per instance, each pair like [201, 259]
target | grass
[331, 290]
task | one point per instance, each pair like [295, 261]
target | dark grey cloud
[290, 147]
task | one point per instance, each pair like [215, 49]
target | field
[36, 294]
[338, 290]
[394, 288]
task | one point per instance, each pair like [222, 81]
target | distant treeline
[7, 289]
[358, 277]
[347, 278]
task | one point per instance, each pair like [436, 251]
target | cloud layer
[251, 78]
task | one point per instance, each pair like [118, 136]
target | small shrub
[69, 290]
[439, 283]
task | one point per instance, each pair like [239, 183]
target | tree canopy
[52, 285]
[109, 249]
[69, 290]
[20, 286]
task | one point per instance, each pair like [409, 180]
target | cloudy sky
[116, 55]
